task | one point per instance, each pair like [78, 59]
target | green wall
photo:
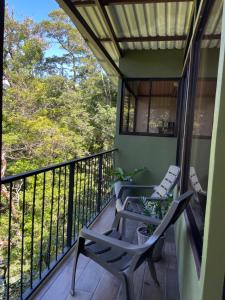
[155, 153]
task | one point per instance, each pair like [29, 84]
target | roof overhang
[110, 27]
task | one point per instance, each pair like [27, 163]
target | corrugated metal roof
[142, 20]
[143, 26]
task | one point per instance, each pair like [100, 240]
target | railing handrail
[9, 179]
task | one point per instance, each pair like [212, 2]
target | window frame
[122, 132]
[190, 73]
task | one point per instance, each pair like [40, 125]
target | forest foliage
[56, 107]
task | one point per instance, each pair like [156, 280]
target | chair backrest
[176, 209]
[168, 182]
[195, 184]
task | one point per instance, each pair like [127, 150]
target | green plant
[120, 175]
[156, 209]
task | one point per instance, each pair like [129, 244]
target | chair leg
[80, 244]
[123, 227]
[72, 291]
[128, 286]
[152, 271]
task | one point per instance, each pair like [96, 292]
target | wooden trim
[108, 24]
[149, 104]
[151, 78]
[148, 134]
[147, 39]
[159, 38]
[122, 2]
[87, 33]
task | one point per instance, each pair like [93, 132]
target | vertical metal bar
[51, 218]
[32, 233]
[99, 183]
[121, 130]
[22, 246]
[88, 193]
[57, 226]
[80, 183]
[84, 194]
[64, 208]
[91, 188]
[135, 114]
[42, 224]
[75, 204]
[9, 240]
[149, 104]
[70, 205]
[128, 113]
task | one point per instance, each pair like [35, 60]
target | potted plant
[145, 231]
[122, 178]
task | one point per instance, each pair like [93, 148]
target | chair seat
[116, 259]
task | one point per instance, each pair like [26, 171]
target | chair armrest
[156, 199]
[134, 216]
[109, 241]
[138, 198]
[132, 186]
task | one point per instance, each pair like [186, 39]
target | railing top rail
[12, 178]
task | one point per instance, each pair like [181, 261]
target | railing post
[70, 205]
[99, 198]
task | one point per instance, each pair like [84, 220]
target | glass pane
[203, 113]
[149, 106]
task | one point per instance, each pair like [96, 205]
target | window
[149, 107]
[196, 119]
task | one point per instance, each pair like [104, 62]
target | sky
[37, 10]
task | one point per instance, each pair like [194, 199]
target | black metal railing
[41, 213]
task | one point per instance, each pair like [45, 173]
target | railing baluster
[76, 204]
[91, 191]
[79, 197]
[57, 226]
[32, 233]
[51, 219]
[70, 205]
[9, 241]
[64, 208]
[22, 246]
[99, 184]
[42, 225]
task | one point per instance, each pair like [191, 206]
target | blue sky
[37, 10]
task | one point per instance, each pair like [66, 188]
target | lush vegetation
[56, 108]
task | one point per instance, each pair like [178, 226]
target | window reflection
[203, 114]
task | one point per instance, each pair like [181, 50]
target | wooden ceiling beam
[108, 24]
[120, 2]
[159, 38]
[147, 39]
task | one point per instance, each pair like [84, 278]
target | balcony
[93, 282]
[53, 204]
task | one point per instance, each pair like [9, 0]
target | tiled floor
[93, 282]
